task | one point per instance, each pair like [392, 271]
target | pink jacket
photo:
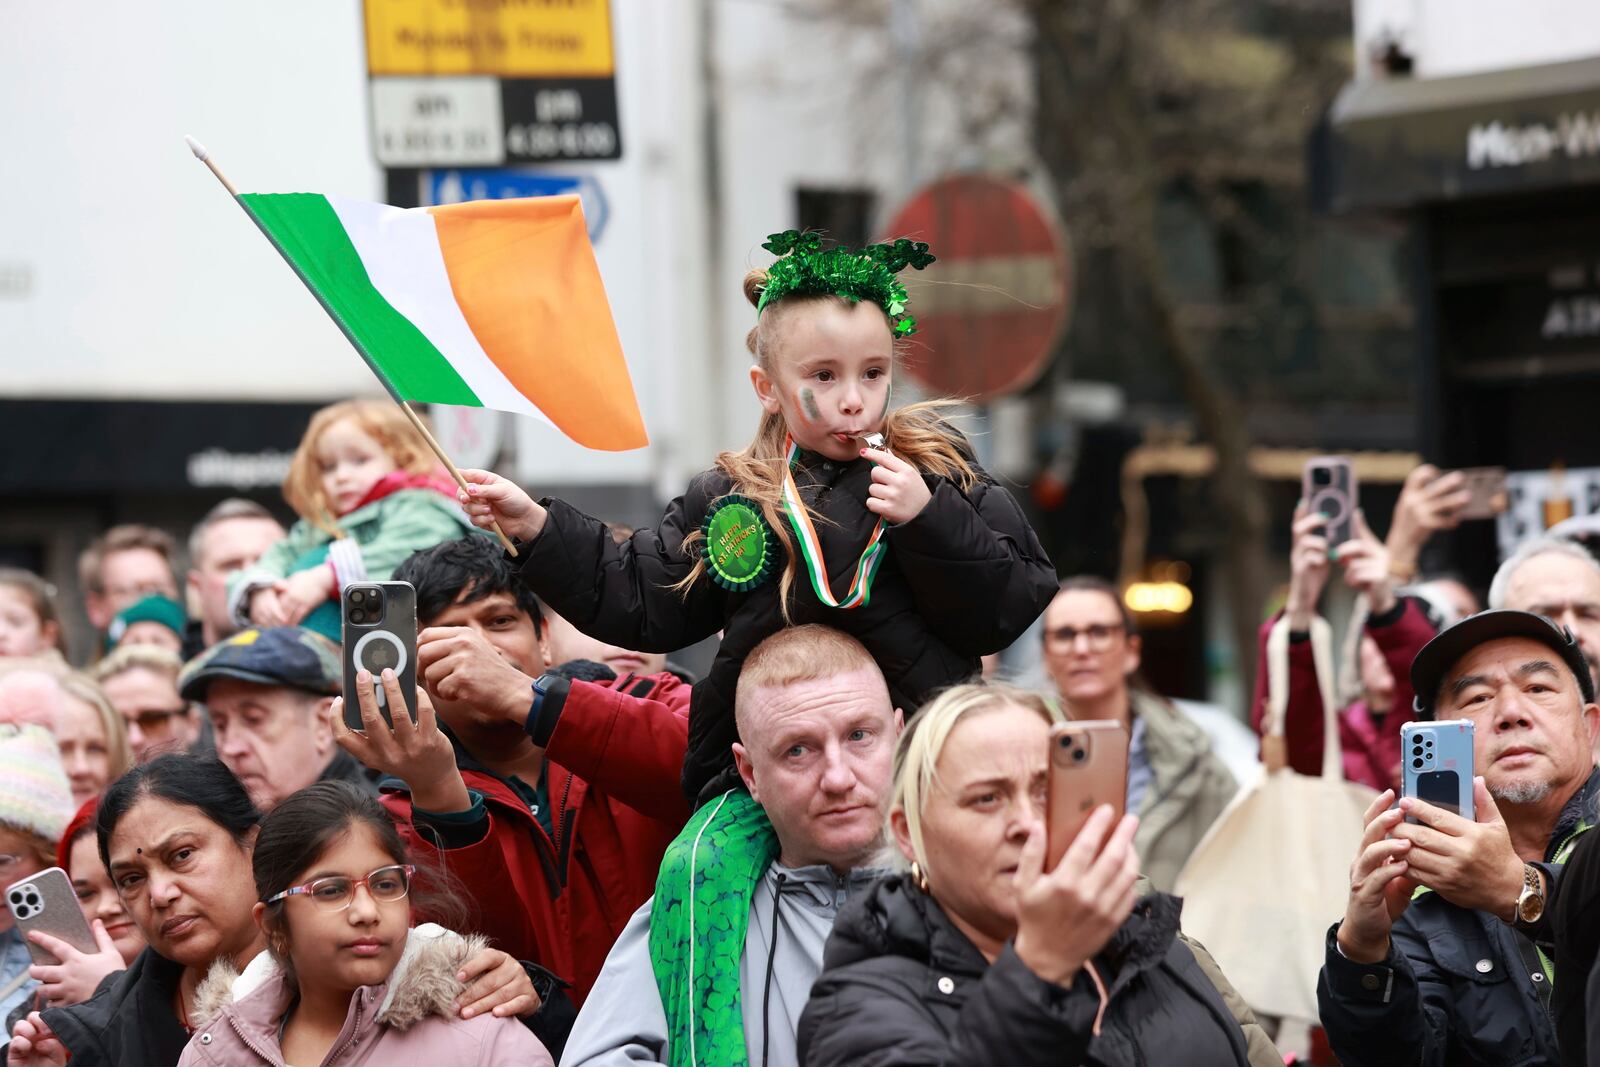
[409, 1019]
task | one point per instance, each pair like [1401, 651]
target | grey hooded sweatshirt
[792, 912]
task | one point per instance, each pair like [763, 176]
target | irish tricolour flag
[493, 303]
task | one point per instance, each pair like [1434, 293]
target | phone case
[1487, 489]
[1088, 768]
[45, 901]
[1436, 758]
[380, 630]
[1329, 486]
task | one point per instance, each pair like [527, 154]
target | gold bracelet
[1402, 572]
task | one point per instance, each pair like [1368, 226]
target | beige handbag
[1273, 872]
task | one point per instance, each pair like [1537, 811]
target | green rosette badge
[738, 544]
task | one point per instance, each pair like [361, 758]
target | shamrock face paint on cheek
[808, 405]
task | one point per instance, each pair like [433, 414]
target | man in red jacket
[572, 784]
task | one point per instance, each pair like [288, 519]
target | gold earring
[918, 877]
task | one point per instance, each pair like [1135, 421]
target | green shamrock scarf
[698, 924]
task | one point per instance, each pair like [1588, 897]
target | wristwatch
[1530, 902]
[549, 698]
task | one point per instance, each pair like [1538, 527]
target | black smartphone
[380, 632]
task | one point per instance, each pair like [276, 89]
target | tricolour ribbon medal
[860, 590]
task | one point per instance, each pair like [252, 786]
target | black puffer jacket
[129, 1022]
[964, 578]
[901, 985]
[1459, 988]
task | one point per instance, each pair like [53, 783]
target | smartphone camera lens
[1417, 740]
[1417, 751]
[357, 615]
[358, 596]
[1079, 755]
[1416, 764]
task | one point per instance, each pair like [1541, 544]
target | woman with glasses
[343, 970]
[141, 682]
[176, 836]
[1177, 784]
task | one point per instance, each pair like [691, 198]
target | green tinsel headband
[804, 268]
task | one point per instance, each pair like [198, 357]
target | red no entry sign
[990, 311]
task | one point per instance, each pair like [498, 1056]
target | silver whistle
[874, 441]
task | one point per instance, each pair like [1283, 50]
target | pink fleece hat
[30, 697]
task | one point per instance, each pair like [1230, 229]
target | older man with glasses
[1176, 784]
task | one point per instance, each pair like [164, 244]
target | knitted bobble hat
[34, 794]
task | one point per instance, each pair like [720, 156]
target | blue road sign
[455, 186]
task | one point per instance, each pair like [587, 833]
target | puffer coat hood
[411, 1018]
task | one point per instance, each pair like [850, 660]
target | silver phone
[46, 902]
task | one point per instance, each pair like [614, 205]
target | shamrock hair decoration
[804, 268]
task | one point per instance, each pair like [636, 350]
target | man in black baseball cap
[1443, 953]
[268, 692]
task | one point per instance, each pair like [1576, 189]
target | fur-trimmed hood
[411, 1018]
[423, 982]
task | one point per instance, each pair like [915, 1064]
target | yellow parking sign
[528, 39]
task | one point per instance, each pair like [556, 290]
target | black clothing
[964, 578]
[1593, 1022]
[1575, 926]
[129, 1021]
[346, 768]
[901, 984]
[1459, 988]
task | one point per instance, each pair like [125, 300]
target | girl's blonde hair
[916, 757]
[381, 420]
[920, 434]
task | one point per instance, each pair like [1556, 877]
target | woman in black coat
[979, 955]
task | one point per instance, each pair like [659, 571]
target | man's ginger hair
[796, 654]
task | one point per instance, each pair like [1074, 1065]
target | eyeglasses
[129, 594]
[1099, 635]
[335, 893]
[157, 722]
